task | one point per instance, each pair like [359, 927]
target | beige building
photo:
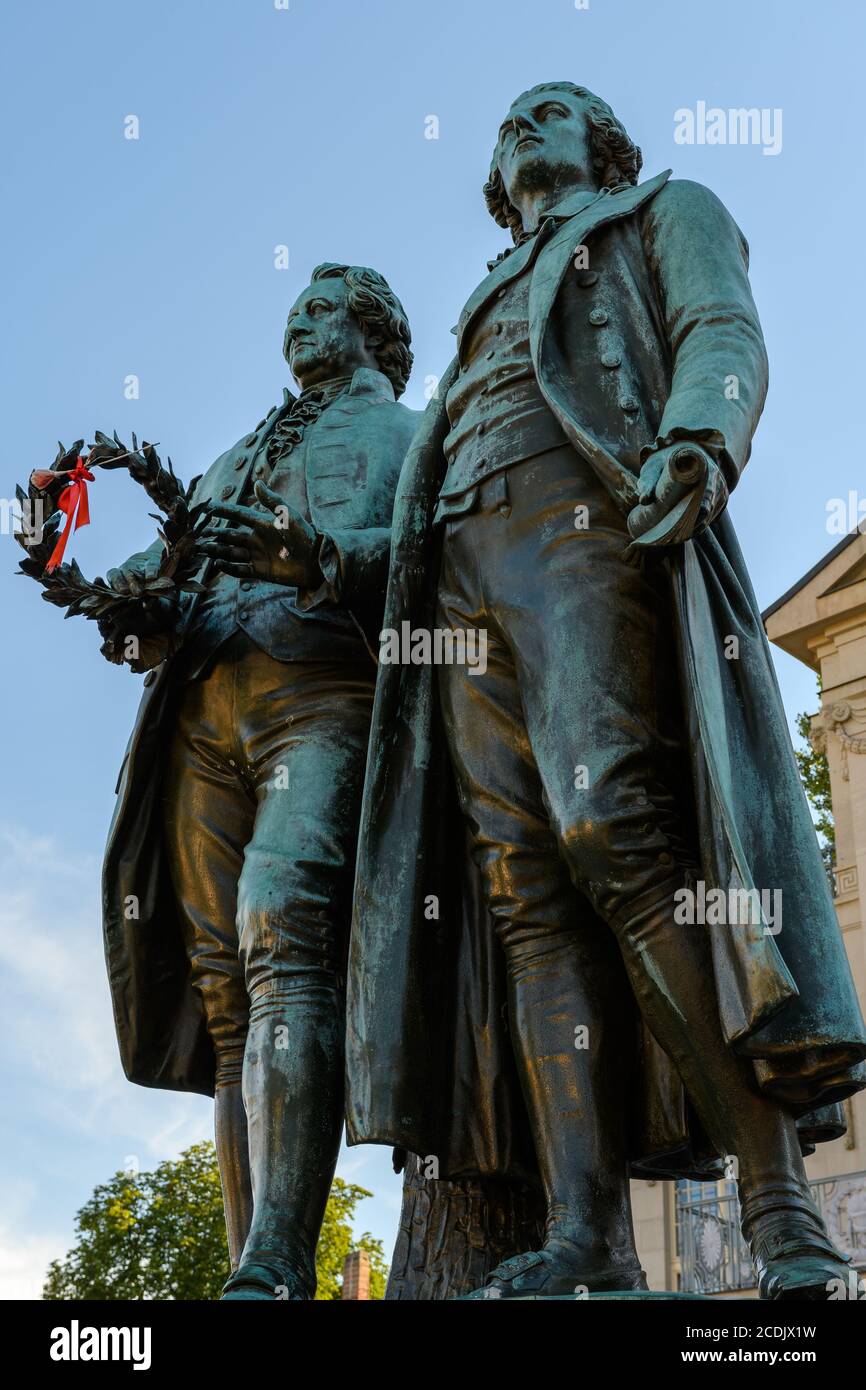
[688, 1234]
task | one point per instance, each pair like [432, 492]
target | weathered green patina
[234, 833]
[610, 648]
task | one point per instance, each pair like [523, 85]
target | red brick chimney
[356, 1275]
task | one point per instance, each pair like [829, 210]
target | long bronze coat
[428, 1055]
[352, 463]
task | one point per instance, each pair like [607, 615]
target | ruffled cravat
[303, 412]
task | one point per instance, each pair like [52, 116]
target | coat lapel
[555, 258]
[550, 271]
[324, 454]
[425, 464]
[255, 444]
[424, 467]
[328, 456]
[502, 274]
[516, 261]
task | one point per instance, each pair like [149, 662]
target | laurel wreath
[130, 596]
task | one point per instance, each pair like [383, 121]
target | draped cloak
[429, 1059]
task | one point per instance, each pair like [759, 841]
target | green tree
[815, 776]
[161, 1235]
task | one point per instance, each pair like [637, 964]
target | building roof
[830, 594]
[816, 569]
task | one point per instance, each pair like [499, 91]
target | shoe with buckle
[556, 1271]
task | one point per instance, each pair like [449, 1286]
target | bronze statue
[239, 798]
[555, 1015]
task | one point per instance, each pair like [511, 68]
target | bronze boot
[792, 1253]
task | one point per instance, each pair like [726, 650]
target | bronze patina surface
[566, 494]
[240, 795]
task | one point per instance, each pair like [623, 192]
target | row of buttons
[250, 440]
[498, 329]
[610, 359]
[229, 489]
[598, 318]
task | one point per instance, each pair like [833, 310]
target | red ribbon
[73, 501]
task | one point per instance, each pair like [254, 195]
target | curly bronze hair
[616, 158]
[381, 316]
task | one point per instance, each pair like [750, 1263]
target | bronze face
[323, 337]
[543, 142]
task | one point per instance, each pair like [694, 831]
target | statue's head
[348, 317]
[556, 135]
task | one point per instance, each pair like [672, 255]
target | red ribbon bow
[73, 501]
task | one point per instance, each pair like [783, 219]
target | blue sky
[155, 257]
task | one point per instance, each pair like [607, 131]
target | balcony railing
[713, 1256]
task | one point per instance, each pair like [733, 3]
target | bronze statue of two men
[517, 995]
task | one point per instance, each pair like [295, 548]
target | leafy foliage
[123, 605]
[815, 776]
[161, 1235]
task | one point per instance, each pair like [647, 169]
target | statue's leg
[612, 705]
[671, 971]
[208, 819]
[570, 1014]
[571, 1021]
[453, 1234]
[294, 900]
[626, 846]
[233, 1159]
[595, 671]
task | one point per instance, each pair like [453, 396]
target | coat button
[481, 429]
[250, 439]
[629, 404]
[586, 278]
[260, 471]
[241, 462]
[227, 492]
[246, 585]
[611, 359]
[598, 317]
[244, 617]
